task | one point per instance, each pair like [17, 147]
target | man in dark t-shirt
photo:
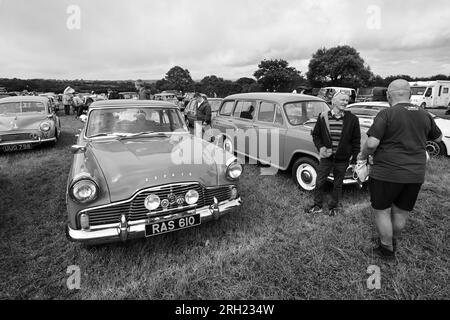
[397, 140]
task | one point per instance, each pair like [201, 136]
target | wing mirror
[83, 118]
[78, 149]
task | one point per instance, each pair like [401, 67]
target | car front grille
[135, 210]
[15, 137]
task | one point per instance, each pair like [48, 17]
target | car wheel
[436, 148]
[304, 173]
[423, 105]
[228, 146]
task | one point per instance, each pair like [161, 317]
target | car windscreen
[22, 107]
[133, 120]
[418, 91]
[300, 112]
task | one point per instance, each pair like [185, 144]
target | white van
[430, 94]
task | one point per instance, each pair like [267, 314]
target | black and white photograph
[224, 156]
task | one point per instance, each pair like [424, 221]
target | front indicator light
[84, 221]
[191, 197]
[234, 193]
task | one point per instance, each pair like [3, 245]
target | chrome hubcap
[306, 176]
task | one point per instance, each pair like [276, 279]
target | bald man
[397, 140]
[337, 137]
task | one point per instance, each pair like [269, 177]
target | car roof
[131, 103]
[25, 99]
[370, 103]
[279, 97]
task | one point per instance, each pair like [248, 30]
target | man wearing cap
[397, 140]
[337, 137]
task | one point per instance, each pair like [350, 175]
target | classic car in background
[367, 111]
[281, 125]
[170, 97]
[327, 93]
[27, 121]
[128, 95]
[138, 172]
[371, 94]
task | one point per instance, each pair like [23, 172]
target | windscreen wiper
[134, 135]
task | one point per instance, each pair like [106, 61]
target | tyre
[304, 173]
[423, 105]
[436, 148]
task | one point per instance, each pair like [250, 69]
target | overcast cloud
[144, 39]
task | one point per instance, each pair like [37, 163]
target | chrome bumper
[9, 143]
[131, 230]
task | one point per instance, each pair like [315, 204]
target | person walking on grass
[397, 141]
[337, 137]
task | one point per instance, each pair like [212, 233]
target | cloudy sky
[129, 39]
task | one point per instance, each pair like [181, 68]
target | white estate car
[367, 111]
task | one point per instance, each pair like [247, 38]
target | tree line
[340, 66]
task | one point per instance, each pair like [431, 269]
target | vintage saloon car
[274, 129]
[138, 172]
[27, 121]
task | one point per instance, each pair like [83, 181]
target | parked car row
[138, 172]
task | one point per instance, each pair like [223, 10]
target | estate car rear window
[227, 108]
[300, 112]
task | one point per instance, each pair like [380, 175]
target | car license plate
[156, 228]
[16, 147]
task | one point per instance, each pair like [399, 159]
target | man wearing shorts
[397, 139]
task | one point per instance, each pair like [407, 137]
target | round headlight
[234, 171]
[152, 202]
[45, 126]
[191, 197]
[84, 191]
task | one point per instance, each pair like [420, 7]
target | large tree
[178, 78]
[277, 75]
[339, 66]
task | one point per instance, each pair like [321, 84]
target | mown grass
[269, 249]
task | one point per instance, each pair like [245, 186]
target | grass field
[269, 249]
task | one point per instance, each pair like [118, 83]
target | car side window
[278, 116]
[245, 110]
[238, 109]
[266, 112]
[227, 108]
[428, 93]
